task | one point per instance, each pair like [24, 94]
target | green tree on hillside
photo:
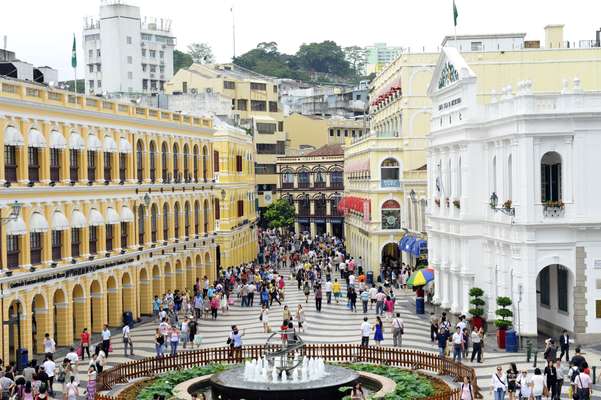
[325, 57]
[181, 60]
[356, 57]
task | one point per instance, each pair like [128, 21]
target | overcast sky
[40, 31]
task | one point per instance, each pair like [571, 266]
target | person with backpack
[71, 391]
[499, 384]
[467, 390]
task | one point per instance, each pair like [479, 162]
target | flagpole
[233, 32]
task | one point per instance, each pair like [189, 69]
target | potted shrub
[504, 322]
[477, 310]
[457, 203]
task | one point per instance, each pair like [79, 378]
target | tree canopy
[201, 53]
[181, 60]
[280, 214]
[325, 61]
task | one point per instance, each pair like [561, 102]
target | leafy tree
[503, 312]
[181, 60]
[201, 53]
[81, 85]
[325, 57]
[356, 57]
[268, 47]
[280, 214]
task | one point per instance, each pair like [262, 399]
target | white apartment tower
[124, 53]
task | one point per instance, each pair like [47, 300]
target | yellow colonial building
[400, 113]
[255, 107]
[306, 132]
[105, 205]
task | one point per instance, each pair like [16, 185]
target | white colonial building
[513, 200]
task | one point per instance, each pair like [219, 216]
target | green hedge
[409, 385]
[164, 384]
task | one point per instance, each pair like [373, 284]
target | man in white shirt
[328, 289]
[49, 366]
[127, 341]
[398, 329]
[49, 344]
[73, 359]
[351, 280]
[365, 332]
[106, 338]
[584, 386]
[372, 296]
[457, 345]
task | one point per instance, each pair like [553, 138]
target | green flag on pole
[455, 13]
[74, 54]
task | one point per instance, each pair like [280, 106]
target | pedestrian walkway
[335, 324]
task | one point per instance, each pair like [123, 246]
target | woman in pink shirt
[389, 307]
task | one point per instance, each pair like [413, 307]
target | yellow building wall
[314, 131]
[89, 289]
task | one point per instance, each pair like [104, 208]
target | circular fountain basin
[230, 385]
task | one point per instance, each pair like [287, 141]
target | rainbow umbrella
[421, 277]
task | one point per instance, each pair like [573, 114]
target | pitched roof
[327, 150]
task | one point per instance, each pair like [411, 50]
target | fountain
[284, 372]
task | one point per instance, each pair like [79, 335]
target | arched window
[196, 217]
[509, 177]
[141, 225]
[152, 155]
[389, 173]
[140, 161]
[187, 219]
[320, 206]
[176, 220]
[196, 163]
[165, 221]
[320, 179]
[176, 174]
[153, 223]
[391, 215]
[187, 176]
[164, 162]
[205, 156]
[303, 179]
[304, 208]
[334, 200]
[550, 175]
[205, 216]
[215, 161]
[287, 180]
[336, 179]
[217, 210]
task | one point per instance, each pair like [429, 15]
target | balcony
[390, 183]
[319, 185]
[303, 185]
[336, 185]
[288, 185]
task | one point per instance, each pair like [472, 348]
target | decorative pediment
[448, 75]
[450, 68]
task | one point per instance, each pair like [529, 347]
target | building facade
[314, 183]
[125, 53]
[309, 132]
[379, 55]
[512, 207]
[377, 186]
[105, 205]
[255, 107]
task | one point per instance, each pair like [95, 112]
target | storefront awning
[78, 220]
[12, 137]
[126, 214]
[95, 218]
[356, 165]
[109, 144]
[59, 221]
[37, 223]
[57, 140]
[112, 216]
[16, 227]
[94, 143]
[35, 138]
[356, 204]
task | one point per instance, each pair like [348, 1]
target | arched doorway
[169, 280]
[79, 310]
[96, 307]
[555, 300]
[113, 303]
[39, 323]
[190, 273]
[145, 293]
[60, 308]
[156, 281]
[127, 295]
[390, 254]
[15, 329]
[180, 277]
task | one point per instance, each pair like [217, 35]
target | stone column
[580, 290]
[115, 306]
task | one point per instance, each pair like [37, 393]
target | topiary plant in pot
[477, 310]
[504, 322]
